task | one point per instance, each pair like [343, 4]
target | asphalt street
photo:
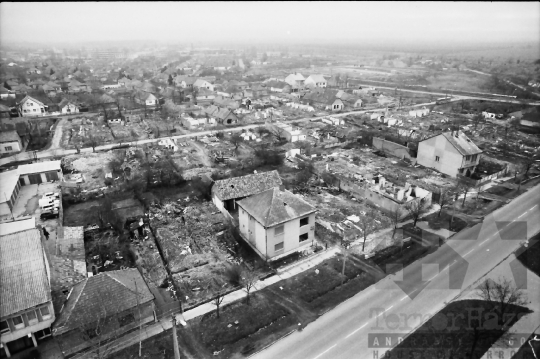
[387, 308]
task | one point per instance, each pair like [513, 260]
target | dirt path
[201, 154]
[57, 138]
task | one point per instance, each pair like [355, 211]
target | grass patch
[456, 332]
[530, 257]
[411, 251]
[260, 315]
[436, 222]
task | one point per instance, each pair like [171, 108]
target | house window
[279, 230]
[45, 313]
[18, 322]
[32, 317]
[8, 148]
[437, 158]
[467, 158]
[278, 247]
[4, 327]
[34, 110]
[304, 237]
[474, 157]
[304, 221]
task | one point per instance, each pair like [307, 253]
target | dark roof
[273, 207]
[244, 186]
[462, 143]
[115, 291]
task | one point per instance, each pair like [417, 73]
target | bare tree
[416, 209]
[395, 216]
[366, 225]
[94, 141]
[278, 133]
[216, 287]
[502, 295]
[248, 280]
[445, 199]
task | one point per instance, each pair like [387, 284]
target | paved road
[382, 308]
[53, 152]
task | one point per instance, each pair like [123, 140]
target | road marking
[468, 252]
[390, 307]
[485, 241]
[356, 330]
[324, 352]
[404, 298]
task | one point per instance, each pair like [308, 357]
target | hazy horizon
[415, 23]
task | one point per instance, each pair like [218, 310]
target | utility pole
[140, 324]
[175, 339]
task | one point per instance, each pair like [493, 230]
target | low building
[40, 172]
[316, 80]
[26, 308]
[200, 83]
[290, 133]
[145, 98]
[276, 223]
[226, 116]
[419, 112]
[101, 307]
[68, 107]
[451, 153]
[10, 142]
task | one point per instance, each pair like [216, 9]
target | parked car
[51, 195]
[91, 227]
[48, 215]
[50, 207]
[49, 201]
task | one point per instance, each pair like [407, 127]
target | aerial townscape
[222, 180]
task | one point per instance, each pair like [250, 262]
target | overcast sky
[271, 21]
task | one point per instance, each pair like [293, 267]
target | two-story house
[30, 107]
[316, 80]
[226, 192]
[451, 153]
[276, 223]
[26, 308]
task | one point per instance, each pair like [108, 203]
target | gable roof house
[145, 98]
[26, 308]
[188, 82]
[276, 223]
[316, 80]
[201, 83]
[226, 192]
[30, 107]
[451, 153]
[326, 100]
[295, 80]
[225, 116]
[114, 302]
[66, 106]
[205, 96]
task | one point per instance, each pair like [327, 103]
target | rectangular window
[474, 157]
[279, 230]
[467, 158]
[304, 221]
[8, 148]
[18, 322]
[304, 237]
[32, 317]
[437, 158]
[278, 247]
[45, 313]
[4, 327]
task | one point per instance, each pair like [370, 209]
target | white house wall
[449, 158]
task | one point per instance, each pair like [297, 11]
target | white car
[51, 195]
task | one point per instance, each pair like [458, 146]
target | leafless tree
[216, 287]
[278, 133]
[501, 294]
[248, 280]
[366, 225]
[94, 141]
[416, 209]
[395, 216]
[236, 139]
[445, 199]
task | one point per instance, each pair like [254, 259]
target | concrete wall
[392, 149]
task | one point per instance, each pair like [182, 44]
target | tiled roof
[317, 78]
[462, 143]
[23, 274]
[17, 226]
[273, 207]
[244, 186]
[112, 292]
[9, 136]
